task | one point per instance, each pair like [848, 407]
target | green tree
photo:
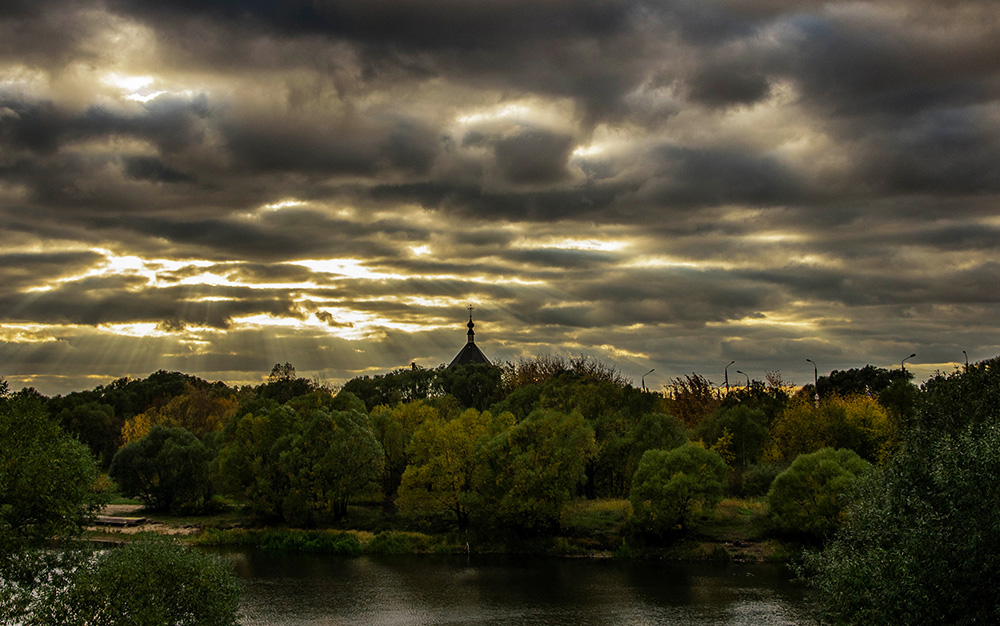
[394, 429]
[746, 427]
[444, 462]
[672, 487]
[402, 385]
[476, 385]
[47, 492]
[302, 461]
[200, 409]
[331, 457]
[963, 399]
[94, 424]
[46, 479]
[858, 423]
[151, 582]
[249, 461]
[169, 469]
[868, 380]
[808, 498]
[919, 544]
[282, 384]
[654, 431]
[529, 471]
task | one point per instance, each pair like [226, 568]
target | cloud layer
[216, 186]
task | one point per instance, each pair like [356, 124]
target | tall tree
[46, 478]
[529, 471]
[444, 461]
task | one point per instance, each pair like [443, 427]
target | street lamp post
[726, 374]
[902, 364]
[644, 378]
[748, 378]
[966, 360]
[815, 382]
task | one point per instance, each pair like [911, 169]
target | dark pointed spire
[471, 352]
[471, 325]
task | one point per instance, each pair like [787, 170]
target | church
[470, 354]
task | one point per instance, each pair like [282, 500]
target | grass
[602, 522]
[735, 530]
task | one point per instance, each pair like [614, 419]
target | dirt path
[150, 526]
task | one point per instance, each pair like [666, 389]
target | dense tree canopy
[47, 478]
[529, 471]
[301, 461]
[445, 458]
[394, 429]
[169, 469]
[919, 543]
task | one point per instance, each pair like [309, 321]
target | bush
[152, 582]
[670, 488]
[808, 498]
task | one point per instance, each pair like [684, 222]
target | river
[284, 589]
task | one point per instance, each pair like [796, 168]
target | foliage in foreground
[151, 582]
[920, 544]
[46, 479]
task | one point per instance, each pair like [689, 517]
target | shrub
[151, 582]
[670, 488]
[808, 498]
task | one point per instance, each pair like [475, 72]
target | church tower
[471, 353]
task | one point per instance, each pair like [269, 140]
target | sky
[216, 186]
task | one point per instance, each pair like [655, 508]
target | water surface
[300, 589]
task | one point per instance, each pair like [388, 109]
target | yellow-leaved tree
[855, 422]
[200, 410]
[443, 462]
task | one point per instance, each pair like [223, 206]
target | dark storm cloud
[533, 157]
[712, 177]
[23, 270]
[119, 300]
[438, 24]
[864, 67]
[262, 144]
[155, 170]
[771, 178]
[43, 126]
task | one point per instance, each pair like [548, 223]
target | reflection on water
[288, 588]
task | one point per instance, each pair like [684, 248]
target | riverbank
[735, 531]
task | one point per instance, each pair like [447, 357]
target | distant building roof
[470, 353]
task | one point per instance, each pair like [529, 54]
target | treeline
[499, 450]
